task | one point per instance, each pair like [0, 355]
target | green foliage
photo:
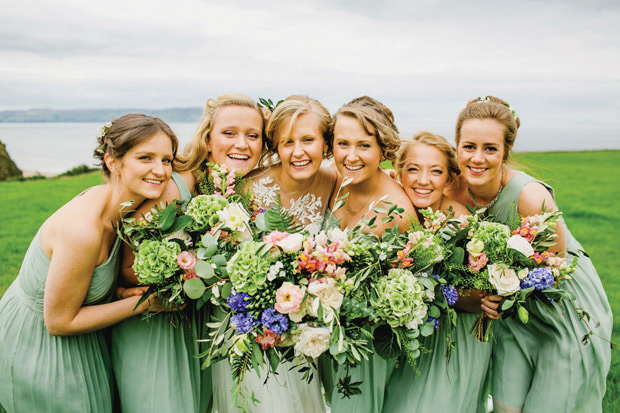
[278, 218]
[79, 170]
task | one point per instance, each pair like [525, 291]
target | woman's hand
[122, 292]
[470, 300]
[155, 304]
[490, 305]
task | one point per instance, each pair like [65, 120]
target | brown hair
[376, 119]
[491, 107]
[197, 150]
[287, 112]
[430, 139]
[126, 132]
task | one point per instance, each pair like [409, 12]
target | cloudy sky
[556, 62]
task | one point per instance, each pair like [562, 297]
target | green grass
[586, 185]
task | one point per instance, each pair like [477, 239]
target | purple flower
[276, 322]
[243, 322]
[435, 320]
[539, 278]
[238, 301]
[452, 296]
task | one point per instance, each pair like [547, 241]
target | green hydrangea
[156, 261]
[494, 237]
[398, 298]
[248, 267]
[203, 210]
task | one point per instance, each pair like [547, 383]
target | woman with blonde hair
[364, 135]
[426, 167]
[53, 353]
[297, 137]
[541, 365]
[170, 378]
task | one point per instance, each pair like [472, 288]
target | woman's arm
[532, 199]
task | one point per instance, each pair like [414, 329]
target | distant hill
[97, 115]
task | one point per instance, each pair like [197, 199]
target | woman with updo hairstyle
[298, 140]
[541, 365]
[53, 353]
[426, 167]
[364, 136]
[170, 378]
[296, 136]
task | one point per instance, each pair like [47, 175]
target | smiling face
[357, 155]
[480, 151]
[424, 175]
[301, 152]
[236, 138]
[146, 168]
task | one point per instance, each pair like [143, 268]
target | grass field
[586, 185]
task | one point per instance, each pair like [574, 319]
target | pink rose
[288, 298]
[186, 260]
[275, 236]
[477, 263]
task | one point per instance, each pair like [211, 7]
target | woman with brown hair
[541, 365]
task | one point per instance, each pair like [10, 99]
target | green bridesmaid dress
[542, 366]
[41, 372]
[458, 386]
[154, 360]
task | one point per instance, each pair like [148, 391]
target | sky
[556, 62]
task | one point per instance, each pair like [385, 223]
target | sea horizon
[50, 148]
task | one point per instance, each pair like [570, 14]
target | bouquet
[181, 252]
[515, 264]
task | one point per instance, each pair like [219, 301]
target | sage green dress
[41, 372]
[154, 360]
[458, 386]
[542, 366]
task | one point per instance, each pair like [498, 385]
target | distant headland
[97, 115]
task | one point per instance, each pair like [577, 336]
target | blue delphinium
[243, 322]
[435, 320]
[452, 296]
[238, 301]
[276, 322]
[539, 278]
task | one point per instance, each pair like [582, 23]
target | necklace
[493, 201]
[443, 196]
[347, 206]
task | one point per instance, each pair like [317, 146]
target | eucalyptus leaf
[194, 288]
[204, 269]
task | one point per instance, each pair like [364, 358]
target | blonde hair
[197, 150]
[430, 139]
[491, 107]
[376, 119]
[287, 112]
[127, 132]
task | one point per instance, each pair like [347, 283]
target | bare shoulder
[189, 179]
[533, 198]
[261, 172]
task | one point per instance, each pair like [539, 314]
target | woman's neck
[292, 185]
[485, 193]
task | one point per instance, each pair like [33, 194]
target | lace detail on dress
[307, 210]
[263, 194]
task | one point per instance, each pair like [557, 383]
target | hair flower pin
[484, 99]
[103, 130]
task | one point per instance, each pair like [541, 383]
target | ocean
[53, 148]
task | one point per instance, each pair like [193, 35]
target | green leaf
[434, 312]
[219, 260]
[180, 223]
[166, 217]
[204, 269]
[386, 342]
[194, 288]
[507, 304]
[273, 358]
[427, 328]
[226, 290]
[204, 253]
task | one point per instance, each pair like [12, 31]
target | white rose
[504, 279]
[328, 296]
[475, 247]
[338, 235]
[313, 341]
[292, 243]
[517, 242]
[234, 217]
